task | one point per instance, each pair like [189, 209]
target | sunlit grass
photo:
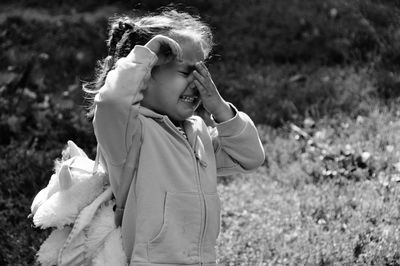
[293, 213]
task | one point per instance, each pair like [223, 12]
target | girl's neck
[177, 123]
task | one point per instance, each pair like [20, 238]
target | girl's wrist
[152, 47]
[224, 113]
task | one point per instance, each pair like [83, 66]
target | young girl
[150, 84]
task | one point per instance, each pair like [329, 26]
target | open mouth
[190, 96]
[189, 99]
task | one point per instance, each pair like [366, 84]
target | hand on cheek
[212, 100]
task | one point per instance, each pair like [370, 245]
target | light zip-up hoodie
[172, 214]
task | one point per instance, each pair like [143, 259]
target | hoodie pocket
[213, 204]
[177, 240]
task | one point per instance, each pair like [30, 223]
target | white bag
[78, 203]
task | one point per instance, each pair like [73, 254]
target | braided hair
[126, 32]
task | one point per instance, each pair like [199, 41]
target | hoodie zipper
[195, 157]
[205, 213]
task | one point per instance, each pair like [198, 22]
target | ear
[74, 150]
[65, 177]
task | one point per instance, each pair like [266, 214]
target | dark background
[279, 61]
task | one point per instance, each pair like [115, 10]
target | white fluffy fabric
[52, 187]
[40, 198]
[102, 224]
[111, 253]
[59, 207]
[63, 206]
[48, 252]
[81, 168]
[74, 150]
[84, 167]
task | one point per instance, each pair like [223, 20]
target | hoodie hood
[150, 113]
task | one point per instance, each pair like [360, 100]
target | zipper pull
[202, 163]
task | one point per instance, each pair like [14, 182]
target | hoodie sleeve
[117, 105]
[237, 145]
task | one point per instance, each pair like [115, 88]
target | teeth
[188, 99]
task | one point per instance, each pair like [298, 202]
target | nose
[190, 78]
[191, 87]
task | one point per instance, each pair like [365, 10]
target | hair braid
[117, 34]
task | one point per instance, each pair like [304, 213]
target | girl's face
[171, 90]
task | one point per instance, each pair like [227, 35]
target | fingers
[203, 79]
[202, 69]
[176, 49]
[199, 79]
[201, 73]
[165, 48]
[173, 49]
[202, 89]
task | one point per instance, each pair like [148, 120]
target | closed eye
[184, 73]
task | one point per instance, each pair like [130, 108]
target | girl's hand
[212, 100]
[165, 48]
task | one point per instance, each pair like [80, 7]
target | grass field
[332, 199]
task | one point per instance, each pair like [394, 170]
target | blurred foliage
[279, 61]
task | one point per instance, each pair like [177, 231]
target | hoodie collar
[188, 124]
[152, 114]
[149, 113]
